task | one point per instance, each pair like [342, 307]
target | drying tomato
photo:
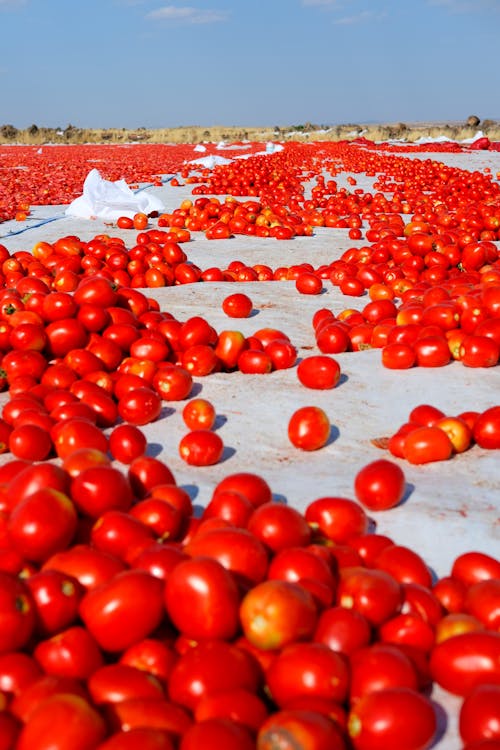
[309, 428]
[380, 485]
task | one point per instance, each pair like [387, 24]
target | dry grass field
[410, 132]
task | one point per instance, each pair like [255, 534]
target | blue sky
[167, 63]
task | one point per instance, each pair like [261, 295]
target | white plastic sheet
[103, 199]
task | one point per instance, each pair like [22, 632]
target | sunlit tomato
[426, 444]
[313, 730]
[486, 431]
[127, 442]
[252, 486]
[307, 669]
[18, 613]
[237, 305]
[201, 448]
[398, 356]
[458, 431]
[377, 667]
[432, 351]
[373, 593]
[42, 524]
[481, 601]
[121, 534]
[425, 415]
[342, 629]
[279, 526]
[199, 414]
[392, 718]
[117, 682]
[308, 283]
[464, 661]
[139, 406]
[146, 473]
[73, 652]
[89, 566]
[254, 362]
[380, 485]
[237, 550]
[100, 488]
[479, 351]
[76, 433]
[239, 704]
[202, 599]
[336, 518]
[147, 738]
[217, 732]
[172, 382]
[276, 613]
[404, 564]
[309, 428]
[319, 372]
[56, 596]
[30, 442]
[76, 723]
[472, 567]
[479, 717]
[123, 610]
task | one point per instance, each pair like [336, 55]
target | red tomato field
[249, 449]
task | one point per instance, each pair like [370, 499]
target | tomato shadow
[409, 490]
[195, 390]
[334, 435]
[227, 453]
[192, 489]
[154, 450]
[220, 420]
[166, 411]
[442, 723]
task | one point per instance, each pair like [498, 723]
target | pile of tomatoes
[126, 621]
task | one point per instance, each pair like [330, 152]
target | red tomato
[123, 610]
[479, 716]
[276, 613]
[464, 661]
[309, 428]
[238, 704]
[18, 613]
[210, 666]
[279, 526]
[101, 488]
[426, 444]
[146, 473]
[147, 738]
[237, 550]
[336, 518]
[380, 485]
[70, 653]
[486, 431]
[201, 448]
[343, 629]
[56, 596]
[392, 719]
[252, 486]
[308, 283]
[217, 732]
[70, 718]
[373, 593]
[202, 599]
[127, 442]
[237, 305]
[42, 524]
[472, 567]
[199, 414]
[311, 669]
[310, 728]
[319, 372]
[139, 406]
[378, 667]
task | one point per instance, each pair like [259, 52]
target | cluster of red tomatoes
[127, 622]
[431, 435]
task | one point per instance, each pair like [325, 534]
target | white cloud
[363, 17]
[187, 15]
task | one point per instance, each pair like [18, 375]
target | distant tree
[9, 132]
[206, 134]
[33, 129]
[473, 121]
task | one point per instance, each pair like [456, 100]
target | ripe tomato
[18, 613]
[127, 442]
[311, 669]
[309, 428]
[123, 610]
[479, 717]
[237, 305]
[486, 431]
[42, 524]
[139, 406]
[343, 629]
[201, 448]
[426, 444]
[336, 518]
[101, 488]
[319, 372]
[276, 613]
[199, 414]
[311, 729]
[392, 719]
[464, 661]
[56, 596]
[373, 593]
[237, 550]
[217, 732]
[202, 599]
[147, 738]
[70, 718]
[380, 485]
[279, 526]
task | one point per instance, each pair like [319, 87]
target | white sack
[103, 199]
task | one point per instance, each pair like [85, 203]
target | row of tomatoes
[127, 620]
